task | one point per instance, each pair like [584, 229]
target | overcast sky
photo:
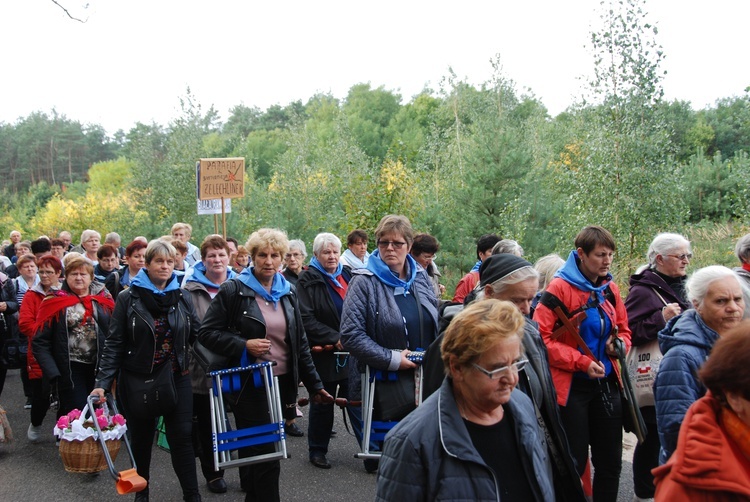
[133, 59]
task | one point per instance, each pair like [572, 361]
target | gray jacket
[372, 327]
[429, 454]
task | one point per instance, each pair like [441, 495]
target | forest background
[460, 161]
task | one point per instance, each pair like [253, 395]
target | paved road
[34, 472]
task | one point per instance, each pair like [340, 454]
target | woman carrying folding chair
[258, 313]
[389, 311]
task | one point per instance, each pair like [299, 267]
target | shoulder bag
[148, 395]
[643, 364]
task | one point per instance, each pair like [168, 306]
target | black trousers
[646, 457]
[179, 428]
[593, 417]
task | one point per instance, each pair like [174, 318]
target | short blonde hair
[267, 237]
[187, 227]
[477, 328]
[395, 223]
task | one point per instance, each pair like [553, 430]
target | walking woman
[322, 289]
[49, 270]
[258, 313]
[588, 389]
[657, 294]
[71, 327]
[154, 324]
[390, 309]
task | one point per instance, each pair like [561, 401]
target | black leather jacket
[235, 317]
[130, 343]
[50, 344]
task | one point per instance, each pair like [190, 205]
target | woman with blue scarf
[588, 390]
[390, 308]
[322, 290]
[257, 313]
[202, 286]
[153, 325]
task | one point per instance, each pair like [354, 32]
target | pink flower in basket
[77, 425]
[63, 422]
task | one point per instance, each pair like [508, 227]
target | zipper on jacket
[153, 335]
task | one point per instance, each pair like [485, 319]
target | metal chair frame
[376, 430]
[226, 441]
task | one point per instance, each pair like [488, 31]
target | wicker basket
[87, 456]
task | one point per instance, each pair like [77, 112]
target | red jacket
[27, 325]
[465, 286]
[707, 464]
[564, 356]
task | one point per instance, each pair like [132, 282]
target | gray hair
[508, 246]
[299, 245]
[742, 249]
[663, 244]
[547, 266]
[88, 234]
[521, 275]
[322, 241]
[699, 282]
[112, 237]
[158, 247]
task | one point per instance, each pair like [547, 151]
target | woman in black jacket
[154, 323]
[71, 326]
[258, 313]
[321, 289]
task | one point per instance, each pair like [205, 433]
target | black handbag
[148, 395]
[395, 395]
[14, 353]
[209, 360]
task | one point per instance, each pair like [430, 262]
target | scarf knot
[279, 287]
[333, 277]
[380, 269]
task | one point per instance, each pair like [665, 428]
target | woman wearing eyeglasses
[588, 388]
[294, 261]
[477, 438]
[657, 294]
[390, 309]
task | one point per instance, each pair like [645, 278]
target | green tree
[624, 179]
[369, 113]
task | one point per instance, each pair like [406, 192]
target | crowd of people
[517, 393]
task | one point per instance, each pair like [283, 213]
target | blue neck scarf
[573, 275]
[142, 280]
[377, 266]
[476, 266]
[199, 275]
[279, 287]
[333, 277]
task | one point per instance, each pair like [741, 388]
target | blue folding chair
[226, 441]
[374, 431]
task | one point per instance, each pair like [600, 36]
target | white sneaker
[34, 433]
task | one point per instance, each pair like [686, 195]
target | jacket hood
[647, 278]
[687, 328]
[573, 275]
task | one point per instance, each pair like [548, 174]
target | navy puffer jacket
[685, 342]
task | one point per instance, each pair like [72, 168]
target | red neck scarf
[340, 290]
[746, 266]
[58, 300]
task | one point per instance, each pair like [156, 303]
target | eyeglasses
[395, 244]
[682, 257]
[294, 255]
[45, 272]
[515, 368]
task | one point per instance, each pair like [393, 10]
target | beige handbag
[643, 364]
